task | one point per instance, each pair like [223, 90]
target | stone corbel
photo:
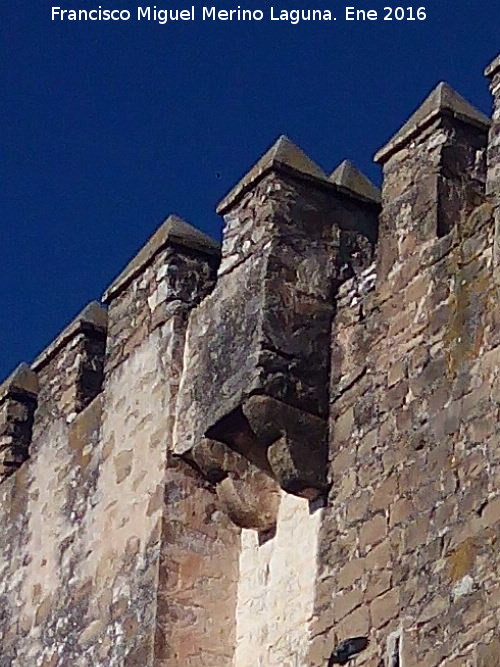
[285, 442]
[249, 496]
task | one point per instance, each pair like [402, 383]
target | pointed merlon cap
[93, 319]
[443, 100]
[347, 177]
[21, 381]
[493, 67]
[284, 155]
[174, 231]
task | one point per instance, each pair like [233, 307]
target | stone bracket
[263, 446]
[248, 496]
[286, 443]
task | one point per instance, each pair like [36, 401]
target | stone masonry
[248, 454]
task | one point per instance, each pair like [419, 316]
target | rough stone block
[18, 400]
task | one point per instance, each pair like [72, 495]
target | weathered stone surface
[295, 441]
[251, 501]
[493, 153]
[249, 496]
[303, 452]
[21, 381]
[276, 588]
[93, 592]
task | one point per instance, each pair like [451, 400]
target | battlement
[327, 378]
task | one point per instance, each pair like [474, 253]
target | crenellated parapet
[257, 348]
[253, 452]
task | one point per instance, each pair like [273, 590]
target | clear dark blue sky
[107, 128]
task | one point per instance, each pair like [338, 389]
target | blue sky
[108, 127]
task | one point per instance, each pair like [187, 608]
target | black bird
[347, 649]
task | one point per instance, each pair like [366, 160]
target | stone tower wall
[247, 455]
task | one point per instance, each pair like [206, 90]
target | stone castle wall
[250, 454]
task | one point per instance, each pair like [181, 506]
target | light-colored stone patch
[276, 589]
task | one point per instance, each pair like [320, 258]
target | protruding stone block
[295, 442]
[249, 496]
[215, 459]
[70, 369]
[174, 270]
[18, 399]
[250, 502]
[291, 238]
[434, 174]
